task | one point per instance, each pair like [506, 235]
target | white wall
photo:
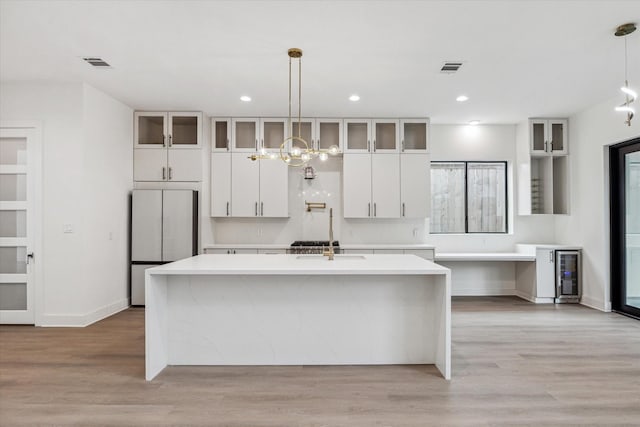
[590, 133]
[108, 165]
[72, 115]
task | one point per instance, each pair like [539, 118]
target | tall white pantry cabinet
[386, 168]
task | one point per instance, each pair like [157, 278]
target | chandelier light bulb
[263, 151]
[295, 151]
[273, 156]
[333, 150]
[305, 157]
[286, 159]
[323, 157]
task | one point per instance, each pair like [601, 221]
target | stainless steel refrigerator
[164, 228]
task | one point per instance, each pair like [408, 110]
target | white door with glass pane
[17, 225]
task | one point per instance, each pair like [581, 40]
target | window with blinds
[468, 197]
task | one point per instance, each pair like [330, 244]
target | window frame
[466, 198]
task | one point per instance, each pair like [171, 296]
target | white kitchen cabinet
[245, 133]
[320, 134]
[545, 273]
[548, 137]
[220, 134]
[357, 135]
[385, 185]
[259, 188]
[414, 135]
[385, 134]
[273, 132]
[250, 135]
[157, 129]
[543, 174]
[357, 185]
[371, 185]
[220, 184]
[415, 185]
[167, 147]
[274, 189]
[371, 136]
[175, 165]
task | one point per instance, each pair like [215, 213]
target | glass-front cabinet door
[304, 129]
[558, 136]
[538, 136]
[385, 136]
[244, 136]
[328, 133]
[184, 129]
[150, 129]
[357, 135]
[414, 135]
[220, 134]
[273, 131]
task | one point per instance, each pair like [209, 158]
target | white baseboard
[533, 299]
[596, 304]
[82, 320]
[484, 292]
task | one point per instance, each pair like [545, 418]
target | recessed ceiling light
[245, 98]
[474, 122]
[354, 98]
[462, 98]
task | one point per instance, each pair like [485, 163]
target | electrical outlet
[67, 228]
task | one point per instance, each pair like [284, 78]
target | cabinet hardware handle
[164, 173]
[170, 174]
[368, 144]
[551, 257]
[369, 209]
[234, 251]
[227, 144]
[375, 209]
[374, 147]
[402, 144]
[262, 143]
[30, 257]
[551, 146]
[228, 251]
[256, 144]
[403, 209]
[164, 140]
[261, 208]
[227, 208]
[256, 208]
[170, 140]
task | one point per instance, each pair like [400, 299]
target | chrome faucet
[330, 252]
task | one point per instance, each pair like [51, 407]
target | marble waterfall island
[298, 310]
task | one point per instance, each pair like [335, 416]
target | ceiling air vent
[450, 67]
[97, 62]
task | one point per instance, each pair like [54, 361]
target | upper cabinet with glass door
[319, 134]
[371, 136]
[414, 136]
[220, 134]
[273, 132]
[548, 137]
[167, 129]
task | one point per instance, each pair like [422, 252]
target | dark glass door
[625, 227]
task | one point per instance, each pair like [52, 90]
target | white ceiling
[521, 58]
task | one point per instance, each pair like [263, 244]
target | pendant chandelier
[294, 150]
[629, 94]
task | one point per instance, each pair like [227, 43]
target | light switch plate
[67, 228]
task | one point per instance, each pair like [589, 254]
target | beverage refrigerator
[164, 228]
[568, 280]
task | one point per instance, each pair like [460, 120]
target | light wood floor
[514, 363]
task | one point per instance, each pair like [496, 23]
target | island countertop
[279, 264]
